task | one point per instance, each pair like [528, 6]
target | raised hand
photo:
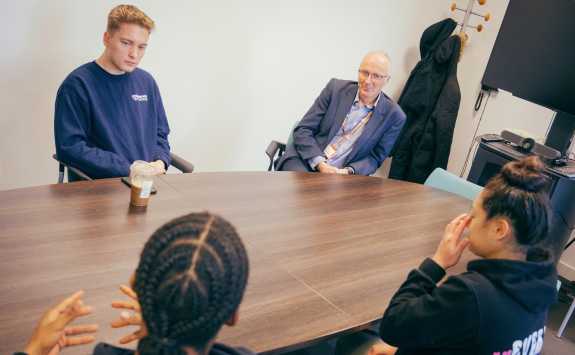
[453, 243]
[52, 333]
[129, 319]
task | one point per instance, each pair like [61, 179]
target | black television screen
[534, 54]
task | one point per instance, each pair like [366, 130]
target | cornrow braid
[190, 280]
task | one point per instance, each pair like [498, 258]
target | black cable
[474, 136]
[550, 124]
[479, 101]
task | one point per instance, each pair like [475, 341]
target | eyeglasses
[364, 74]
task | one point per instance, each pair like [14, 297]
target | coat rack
[468, 12]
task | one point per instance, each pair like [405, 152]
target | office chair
[276, 149]
[177, 162]
[446, 181]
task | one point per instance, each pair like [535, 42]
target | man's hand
[381, 349]
[159, 166]
[453, 244]
[325, 168]
[127, 319]
[52, 332]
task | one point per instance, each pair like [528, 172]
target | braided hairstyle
[519, 193]
[190, 280]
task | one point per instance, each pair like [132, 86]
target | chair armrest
[76, 171]
[274, 148]
[181, 164]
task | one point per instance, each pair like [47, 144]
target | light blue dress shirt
[356, 114]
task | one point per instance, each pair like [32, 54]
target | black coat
[430, 100]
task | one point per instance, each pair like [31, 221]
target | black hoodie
[497, 307]
[430, 100]
[217, 349]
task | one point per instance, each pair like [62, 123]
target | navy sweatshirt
[497, 307]
[104, 122]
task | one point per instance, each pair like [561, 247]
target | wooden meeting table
[326, 252]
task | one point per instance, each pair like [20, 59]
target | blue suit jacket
[323, 120]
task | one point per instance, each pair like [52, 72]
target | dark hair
[190, 280]
[519, 192]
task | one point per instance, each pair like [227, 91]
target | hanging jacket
[430, 100]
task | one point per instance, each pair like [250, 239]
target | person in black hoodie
[499, 306]
[189, 282]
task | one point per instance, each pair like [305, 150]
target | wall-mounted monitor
[534, 54]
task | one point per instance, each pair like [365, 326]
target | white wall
[233, 74]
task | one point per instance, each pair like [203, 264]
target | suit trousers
[295, 164]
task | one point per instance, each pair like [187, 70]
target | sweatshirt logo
[138, 98]
[531, 345]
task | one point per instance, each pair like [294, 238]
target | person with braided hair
[499, 306]
[189, 282]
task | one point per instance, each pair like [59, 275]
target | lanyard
[331, 149]
[357, 127]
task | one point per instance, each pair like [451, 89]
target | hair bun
[526, 174]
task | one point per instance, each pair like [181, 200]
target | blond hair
[128, 14]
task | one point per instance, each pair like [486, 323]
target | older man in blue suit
[351, 127]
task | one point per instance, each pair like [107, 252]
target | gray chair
[276, 149]
[177, 162]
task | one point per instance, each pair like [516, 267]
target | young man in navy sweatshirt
[109, 112]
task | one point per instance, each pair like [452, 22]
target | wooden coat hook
[468, 12]
[478, 28]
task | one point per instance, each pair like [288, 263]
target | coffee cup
[142, 180]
